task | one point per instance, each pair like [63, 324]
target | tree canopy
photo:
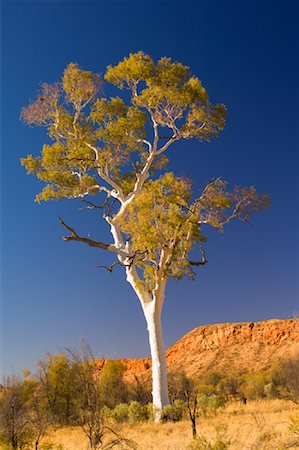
[116, 147]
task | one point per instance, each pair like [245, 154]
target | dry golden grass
[259, 425]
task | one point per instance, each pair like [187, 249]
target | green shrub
[138, 412]
[121, 413]
[254, 385]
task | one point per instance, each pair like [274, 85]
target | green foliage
[138, 412]
[112, 386]
[210, 402]
[254, 385]
[58, 381]
[95, 138]
[121, 413]
[157, 221]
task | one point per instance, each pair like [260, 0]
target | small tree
[89, 404]
[39, 416]
[56, 381]
[15, 427]
[184, 388]
[113, 388]
[114, 148]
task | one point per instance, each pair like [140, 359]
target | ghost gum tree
[116, 149]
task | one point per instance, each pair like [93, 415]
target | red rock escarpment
[252, 346]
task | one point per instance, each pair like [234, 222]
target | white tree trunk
[159, 369]
[152, 309]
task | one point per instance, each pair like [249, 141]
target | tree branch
[118, 191]
[110, 268]
[168, 143]
[203, 259]
[75, 237]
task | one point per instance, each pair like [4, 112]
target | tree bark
[159, 369]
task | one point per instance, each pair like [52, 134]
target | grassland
[259, 425]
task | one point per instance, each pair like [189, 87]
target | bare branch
[75, 237]
[203, 259]
[110, 268]
[168, 143]
[92, 205]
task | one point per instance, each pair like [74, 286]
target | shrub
[121, 413]
[216, 402]
[203, 403]
[254, 385]
[285, 378]
[138, 412]
[200, 442]
[139, 392]
[106, 412]
[173, 413]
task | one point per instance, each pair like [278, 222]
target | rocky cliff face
[227, 346]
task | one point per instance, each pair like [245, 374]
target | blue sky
[245, 55]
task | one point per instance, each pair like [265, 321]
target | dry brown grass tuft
[259, 425]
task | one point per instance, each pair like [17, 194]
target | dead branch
[75, 237]
[110, 268]
[203, 259]
[92, 205]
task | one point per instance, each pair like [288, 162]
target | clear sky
[245, 54]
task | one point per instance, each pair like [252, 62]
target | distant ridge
[252, 346]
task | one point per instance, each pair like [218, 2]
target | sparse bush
[15, 427]
[139, 392]
[178, 385]
[230, 384]
[173, 413]
[216, 402]
[211, 378]
[285, 378]
[200, 442]
[203, 403]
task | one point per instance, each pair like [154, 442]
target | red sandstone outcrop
[227, 346]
